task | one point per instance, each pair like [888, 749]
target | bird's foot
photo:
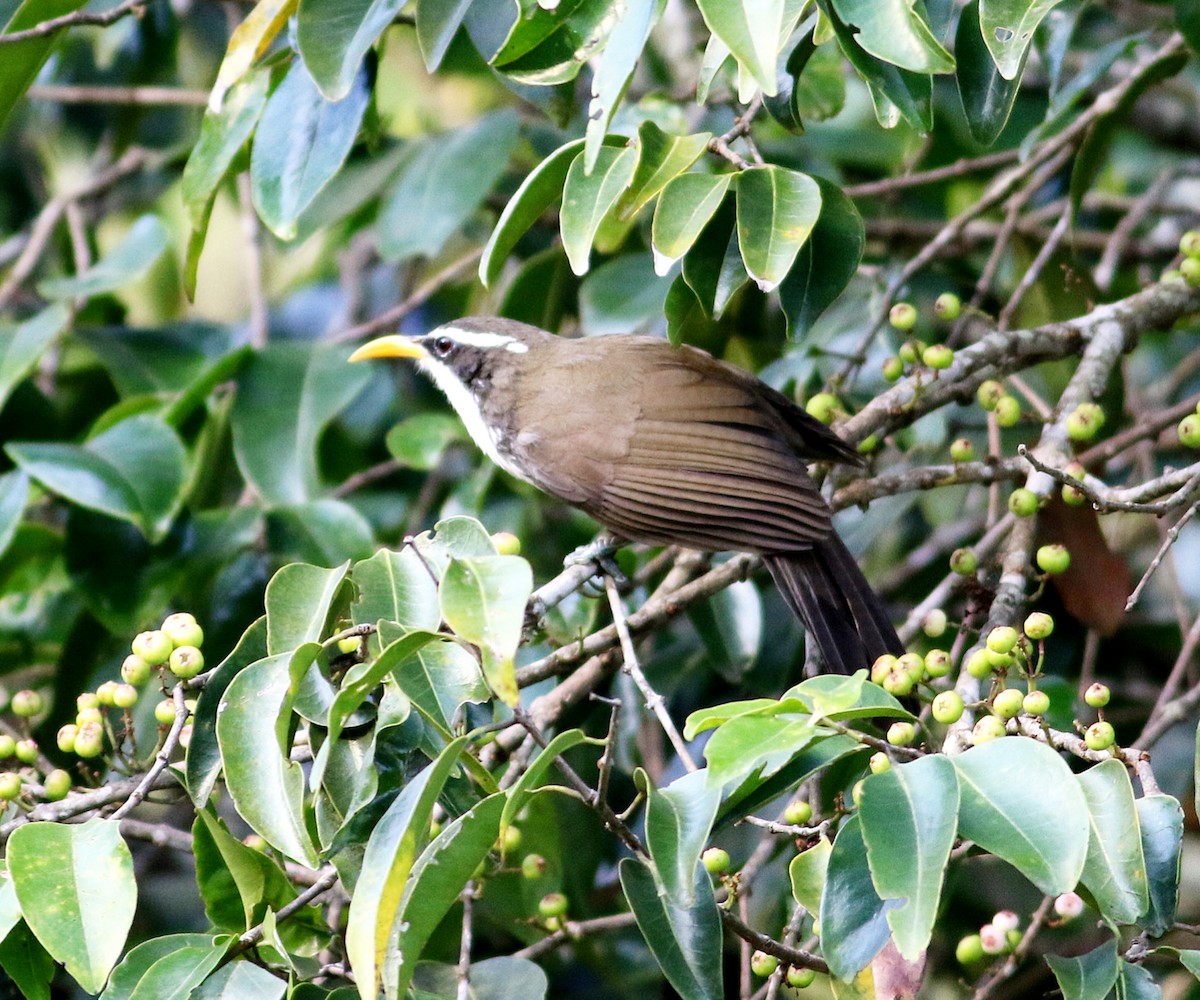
[600, 553]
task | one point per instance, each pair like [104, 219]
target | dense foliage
[302, 699]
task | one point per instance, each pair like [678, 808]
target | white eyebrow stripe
[484, 340]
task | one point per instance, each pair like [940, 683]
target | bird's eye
[443, 346]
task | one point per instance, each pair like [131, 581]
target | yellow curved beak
[392, 346]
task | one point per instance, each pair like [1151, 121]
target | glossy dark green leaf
[776, 210]
[133, 967]
[438, 22]
[1160, 819]
[241, 980]
[683, 210]
[587, 199]
[302, 140]
[826, 262]
[438, 678]
[1008, 27]
[686, 941]
[77, 892]
[894, 31]
[819, 91]
[987, 97]
[299, 601]
[333, 36]
[420, 441]
[395, 587]
[444, 183]
[552, 45]
[286, 395]
[713, 266]
[1086, 977]
[1021, 802]
[1115, 869]
[27, 963]
[909, 818]
[622, 295]
[504, 978]
[146, 241]
[731, 627]
[435, 884]
[853, 918]
[175, 976]
[529, 781]
[22, 345]
[23, 60]
[679, 819]
[751, 29]
[134, 471]
[14, 493]
[1135, 982]
[325, 531]
[661, 158]
[753, 743]
[1187, 19]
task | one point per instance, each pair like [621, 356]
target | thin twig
[75, 19]
[462, 972]
[162, 760]
[326, 880]
[142, 96]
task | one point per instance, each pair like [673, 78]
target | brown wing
[687, 450]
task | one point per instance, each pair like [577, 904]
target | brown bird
[664, 445]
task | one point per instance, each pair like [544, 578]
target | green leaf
[146, 241]
[14, 494]
[394, 846]
[237, 882]
[819, 88]
[853, 918]
[77, 893]
[842, 698]
[438, 679]
[23, 60]
[587, 198]
[241, 980]
[909, 816]
[1191, 961]
[175, 976]
[683, 210]
[893, 30]
[661, 158]
[483, 600]
[396, 587]
[776, 210]
[1021, 802]
[1187, 19]
[420, 441]
[503, 978]
[443, 184]
[302, 140]
[134, 471]
[749, 744]
[1086, 977]
[686, 942]
[1008, 27]
[299, 601]
[679, 819]
[806, 872]
[438, 22]
[1160, 819]
[525, 786]
[222, 134]
[1115, 869]
[10, 909]
[204, 754]
[614, 67]
[249, 41]
[713, 267]
[333, 36]
[267, 787]
[27, 963]
[826, 262]
[435, 884]
[22, 346]
[622, 295]
[321, 531]
[286, 395]
[552, 45]
[751, 29]
[1134, 982]
[134, 966]
[987, 97]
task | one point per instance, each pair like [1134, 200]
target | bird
[662, 444]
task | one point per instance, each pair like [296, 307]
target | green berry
[879, 762]
[1053, 559]
[1082, 423]
[1068, 906]
[186, 662]
[1002, 639]
[87, 700]
[154, 647]
[947, 707]
[715, 860]
[511, 839]
[533, 866]
[66, 737]
[989, 393]
[903, 316]
[856, 793]
[899, 683]
[1100, 736]
[937, 663]
[799, 978]
[910, 351]
[987, 728]
[89, 741]
[1189, 268]
[26, 704]
[164, 712]
[135, 670]
[999, 661]
[867, 444]
[507, 544]
[823, 407]
[27, 751]
[762, 964]
[1008, 412]
[1039, 625]
[1097, 695]
[10, 786]
[934, 624]
[947, 306]
[893, 368]
[913, 664]
[883, 666]
[993, 940]
[125, 696]
[86, 715]
[181, 628]
[553, 904]
[969, 950]
[8, 746]
[1189, 243]
[979, 665]
[1023, 502]
[1073, 497]
[938, 357]
[963, 562]
[104, 693]
[1170, 274]
[798, 813]
[962, 450]
[1008, 703]
[901, 734]
[348, 645]
[1189, 431]
[56, 785]
[1036, 703]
